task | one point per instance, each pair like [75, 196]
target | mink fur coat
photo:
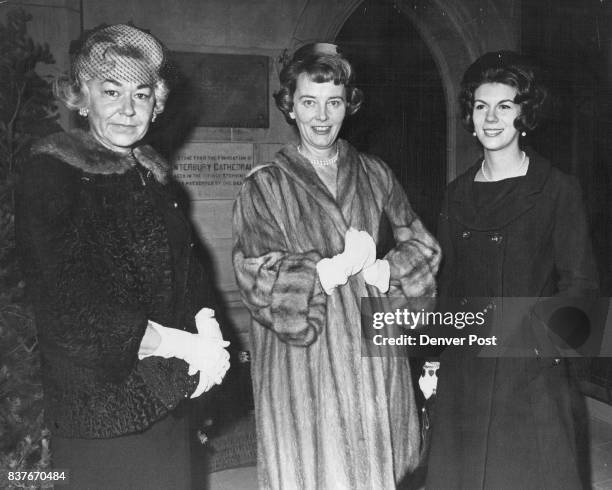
[327, 418]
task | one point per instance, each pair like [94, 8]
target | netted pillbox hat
[119, 52]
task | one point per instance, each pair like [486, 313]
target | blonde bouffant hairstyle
[119, 50]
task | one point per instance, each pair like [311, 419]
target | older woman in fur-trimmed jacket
[114, 279]
[304, 255]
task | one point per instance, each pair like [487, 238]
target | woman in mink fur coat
[327, 418]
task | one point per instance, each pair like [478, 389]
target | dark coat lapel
[523, 198]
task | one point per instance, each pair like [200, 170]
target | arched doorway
[403, 119]
[456, 33]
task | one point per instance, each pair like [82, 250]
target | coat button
[191, 245]
[496, 238]
[466, 234]
[175, 204]
[556, 361]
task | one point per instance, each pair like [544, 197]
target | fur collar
[80, 149]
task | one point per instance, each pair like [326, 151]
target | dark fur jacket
[105, 247]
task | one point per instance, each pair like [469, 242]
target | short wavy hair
[322, 63]
[106, 47]
[511, 69]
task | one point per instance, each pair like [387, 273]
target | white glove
[208, 326]
[359, 252]
[378, 275]
[204, 354]
[428, 382]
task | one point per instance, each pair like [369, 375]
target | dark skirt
[158, 458]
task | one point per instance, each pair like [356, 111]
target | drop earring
[83, 111]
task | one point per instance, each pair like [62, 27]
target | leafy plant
[27, 111]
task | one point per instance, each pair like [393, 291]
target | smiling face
[318, 110]
[493, 116]
[119, 112]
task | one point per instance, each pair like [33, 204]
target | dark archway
[456, 33]
[403, 119]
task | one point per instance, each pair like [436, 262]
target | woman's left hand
[359, 253]
[207, 381]
[208, 326]
[378, 275]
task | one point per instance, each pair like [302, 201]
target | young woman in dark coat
[113, 277]
[512, 225]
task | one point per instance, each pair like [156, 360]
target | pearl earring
[523, 134]
[474, 133]
[83, 111]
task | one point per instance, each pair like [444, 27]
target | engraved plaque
[213, 170]
[227, 90]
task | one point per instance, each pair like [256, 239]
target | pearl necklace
[519, 169]
[319, 162]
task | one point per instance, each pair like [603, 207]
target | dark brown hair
[510, 69]
[321, 67]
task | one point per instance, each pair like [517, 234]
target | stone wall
[455, 32]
